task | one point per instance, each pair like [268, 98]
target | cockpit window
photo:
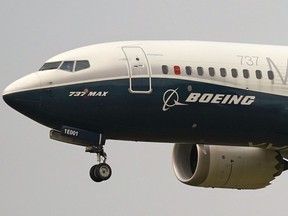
[67, 66]
[50, 66]
[83, 64]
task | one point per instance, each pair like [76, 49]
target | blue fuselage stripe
[176, 111]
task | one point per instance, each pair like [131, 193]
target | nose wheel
[101, 171]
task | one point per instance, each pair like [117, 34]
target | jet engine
[226, 166]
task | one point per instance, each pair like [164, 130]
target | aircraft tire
[93, 174]
[103, 171]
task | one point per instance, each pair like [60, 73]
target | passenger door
[138, 70]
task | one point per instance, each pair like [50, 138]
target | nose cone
[23, 95]
[26, 83]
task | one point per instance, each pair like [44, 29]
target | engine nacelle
[225, 166]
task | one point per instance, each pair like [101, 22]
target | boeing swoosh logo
[171, 99]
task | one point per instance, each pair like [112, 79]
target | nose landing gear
[101, 171]
[94, 143]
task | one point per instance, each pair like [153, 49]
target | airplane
[224, 105]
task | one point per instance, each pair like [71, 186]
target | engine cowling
[226, 166]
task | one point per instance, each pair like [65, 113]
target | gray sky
[39, 176]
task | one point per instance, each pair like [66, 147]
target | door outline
[137, 61]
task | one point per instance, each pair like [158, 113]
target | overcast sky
[39, 176]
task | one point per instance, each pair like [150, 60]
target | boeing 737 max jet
[225, 105]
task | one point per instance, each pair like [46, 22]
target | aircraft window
[211, 71]
[50, 66]
[200, 71]
[270, 75]
[234, 72]
[246, 73]
[165, 69]
[177, 70]
[188, 70]
[259, 74]
[67, 66]
[81, 65]
[223, 72]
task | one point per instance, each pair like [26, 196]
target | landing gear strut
[94, 143]
[101, 171]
